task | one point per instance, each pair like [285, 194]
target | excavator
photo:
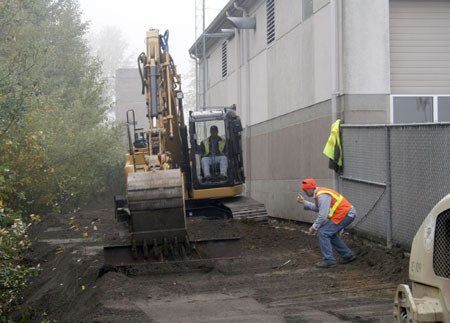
[166, 183]
[428, 299]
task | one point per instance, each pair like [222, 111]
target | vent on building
[441, 253]
[270, 8]
[307, 9]
[224, 60]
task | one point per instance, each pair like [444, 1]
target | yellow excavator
[428, 299]
[166, 176]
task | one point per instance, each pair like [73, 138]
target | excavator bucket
[156, 204]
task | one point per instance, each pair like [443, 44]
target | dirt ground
[271, 278]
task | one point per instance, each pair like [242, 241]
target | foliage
[110, 45]
[57, 147]
[55, 137]
[13, 274]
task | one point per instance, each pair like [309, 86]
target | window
[224, 60]
[202, 129]
[270, 9]
[420, 109]
[307, 8]
[444, 108]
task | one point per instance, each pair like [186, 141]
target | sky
[135, 17]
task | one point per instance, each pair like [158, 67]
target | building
[129, 96]
[293, 66]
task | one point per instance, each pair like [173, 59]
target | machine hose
[142, 59]
[164, 40]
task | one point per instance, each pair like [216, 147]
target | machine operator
[213, 149]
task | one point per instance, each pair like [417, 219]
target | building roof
[220, 22]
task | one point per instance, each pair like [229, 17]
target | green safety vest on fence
[333, 148]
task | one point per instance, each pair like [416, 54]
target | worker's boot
[325, 264]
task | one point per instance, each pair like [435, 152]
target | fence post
[388, 188]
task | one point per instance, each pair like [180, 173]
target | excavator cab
[219, 165]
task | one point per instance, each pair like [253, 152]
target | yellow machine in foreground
[428, 299]
[165, 178]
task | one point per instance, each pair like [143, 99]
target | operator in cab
[213, 150]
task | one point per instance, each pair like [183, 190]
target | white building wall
[257, 38]
[214, 71]
[319, 78]
[222, 91]
[297, 64]
[366, 61]
[258, 89]
[288, 15]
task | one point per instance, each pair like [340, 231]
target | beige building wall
[420, 54]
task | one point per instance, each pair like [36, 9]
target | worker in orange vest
[335, 214]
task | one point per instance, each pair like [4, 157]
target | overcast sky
[134, 17]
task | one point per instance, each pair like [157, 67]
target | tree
[110, 47]
[57, 148]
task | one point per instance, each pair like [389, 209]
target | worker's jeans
[208, 161]
[329, 238]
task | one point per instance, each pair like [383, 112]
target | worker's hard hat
[308, 183]
[213, 128]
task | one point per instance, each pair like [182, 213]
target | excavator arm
[155, 187]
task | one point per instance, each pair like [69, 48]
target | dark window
[444, 109]
[413, 109]
[270, 8]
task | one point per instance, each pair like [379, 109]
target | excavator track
[246, 208]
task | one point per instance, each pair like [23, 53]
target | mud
[270, 278]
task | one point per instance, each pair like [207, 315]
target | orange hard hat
[308, 183]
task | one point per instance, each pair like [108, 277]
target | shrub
[13, 273]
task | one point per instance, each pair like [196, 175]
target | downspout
[238, 51]
[197, 64]
[239, 57]
[204, 56]
[336, 6]
[336, 25]
[245, 46]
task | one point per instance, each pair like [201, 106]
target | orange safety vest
[339, 204]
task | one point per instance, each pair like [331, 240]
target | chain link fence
[394, 175]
